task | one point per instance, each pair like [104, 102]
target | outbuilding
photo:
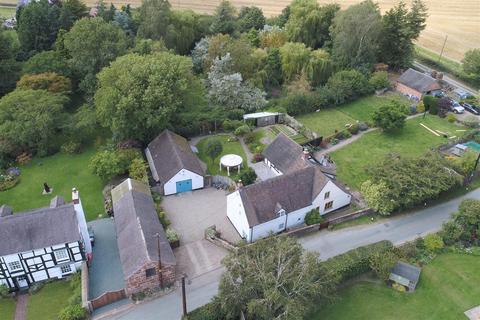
[174, 166]
[406, 275]
[416, 84]
[262, 119]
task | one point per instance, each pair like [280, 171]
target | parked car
[91, 235]
[457, 108]
[471, 108]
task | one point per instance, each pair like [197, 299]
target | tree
[376, 195]
[295, 57]
[155, 16]
[49, 81]
[347, 85]
[466, 163]
[468, 217]
[138, 170]
[37, 25]
[451, 232]
[431, 104]
[274, 278]
[382, 263]
[108, 164]
[93, 44]
[433, 242]
[471, 63]
[9, 67]
[224, 19]
[273, 67]
[71, 11]
[213, 148]
[248, 176]
[309, 23]
[183, 31]
[319, 68]
[250, 18]
[379, 80]
[355, 35]
[272, 37]
[137, 95]
[47, 61]
[391, 116]
[30, 120]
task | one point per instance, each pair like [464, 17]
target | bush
[8, 181]
[210, 311]
[353, 129]
[235, 114]
[382, 263]
[73, 312]
[162, 216]
[433, 242]
[242, 130]
[70, 147]
[313, 217]
[4, 292]
[420, 107]
[172, 235]
[248, 176]
[451, 118]
[362, 126]
[391, 116]
[431, 104]
[249, 138]
[379, 80]
[138, 170]
[451, 232]
[108, 164]
[298, 103]
[231, 125]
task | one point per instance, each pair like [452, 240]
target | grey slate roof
[407, 271]
[285, 154]
[290, 192]
[169, 153]
[418, 81]
[38, 229]
[137, 223]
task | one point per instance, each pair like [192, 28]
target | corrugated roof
[285, 154]
[419, 81]
[137, 225]
[168, 154]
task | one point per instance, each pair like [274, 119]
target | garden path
[21, 307]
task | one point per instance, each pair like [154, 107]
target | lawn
[7, 309]
[412, 140]
[326, 121]
[229, 147]
[448, 287]
[62, 172]
[47, 303]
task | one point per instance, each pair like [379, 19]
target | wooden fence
[107, 298]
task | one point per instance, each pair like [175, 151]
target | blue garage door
[184, 185]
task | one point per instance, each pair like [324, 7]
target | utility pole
[184, 297]
[160, 273]
[475, 167]
[443, 48]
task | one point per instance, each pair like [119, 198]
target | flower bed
[8, 181]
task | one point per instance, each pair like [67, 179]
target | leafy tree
[309, 23]
[272, 37]
[183, 31]
[155, 17]
[382, 263]
[471, 63]
[50, 81]
[37, 25]
[273, 67]
[274, 278]
[71, 11]
[468, 217]
[319, 68]
[376, 195]
[379, 80]
[250, 18]
[124, 21]
[138, 170]
[213, 148]
[93, 44]
[148, 46]
[295, 57]
[347, 85]
[433, 242]
[9, 67]
[108, 164]
[451, 232]
[281, 19]
[224, 19]
[355, 35]
[466, 163]
[137, 95]
[431, 104]
[391, 116]
[106, 14]
[199, 54]
[30, 120]
[248, 176]
[47, 61]
[313, 217]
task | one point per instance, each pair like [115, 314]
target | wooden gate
[107, 298]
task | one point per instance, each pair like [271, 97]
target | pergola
[231, 161]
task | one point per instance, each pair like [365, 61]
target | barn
[174, 166]
[415, 84]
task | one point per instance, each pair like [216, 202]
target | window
[66, 269]
[61, 255]
[14, 266]
[328, 205]
[327, 195]
[150, 272]
[281, 226]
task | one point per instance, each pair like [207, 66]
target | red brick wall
[407, 90]
[138, 282]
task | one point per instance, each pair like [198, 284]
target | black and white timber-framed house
[42, 244]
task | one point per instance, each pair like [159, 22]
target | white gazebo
[231, 161]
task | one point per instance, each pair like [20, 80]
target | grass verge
[49, 301]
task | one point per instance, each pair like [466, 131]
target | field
[412, 140]
[49, 301]
[448, 287]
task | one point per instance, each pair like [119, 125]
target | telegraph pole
[160, 273]
[443, 48]
[184, 297]
[475, 167]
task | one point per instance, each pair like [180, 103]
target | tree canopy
[250, 18]
[49, 81]
[471, 63]
[391, 116]
[9, 67]
[47, 61]
[224, 20]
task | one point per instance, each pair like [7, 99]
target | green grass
[412, 140]
[7, 12]
[47, 303]
[62, 172]
[326, 121]
[448, 287]
[7, 309]
[233, 147]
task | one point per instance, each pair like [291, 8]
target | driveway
[105, 272]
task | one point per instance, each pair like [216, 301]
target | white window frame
[328, 205]
[68, 269]
[327, 195]
[58, 255]
[17, 268]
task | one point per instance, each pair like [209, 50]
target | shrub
[431, 104]
[451, 118]
[313, 217]
[108, 164]
[420, 107]
[249, 138]
[382, 263]
[379, 80]
[248, 176]
[210, 311]
[172, 235]
[451, 232]
[298, 103]
[162, 216]
[433, 242]
[242, 130]
[213, 148]
[391, 116]
[235, 114]
[73, 312]
[231, 125]
[4, 292]
[70, 147]
[354, 128]
[138, 170]
[8, 181]
[398, 287]
[362, 126]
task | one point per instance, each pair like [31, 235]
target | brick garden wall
[139, 282]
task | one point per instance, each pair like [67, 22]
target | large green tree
[9, 67]
[471, 64]
[155, 17]
[347, 85]
[250, 18]
[319, 68]
[30, 120]
[137, 95]
[355, 35]
[391, 116]
[275, 278]
[224, 19]
[294, 57]
[47, 61]
[71, 11]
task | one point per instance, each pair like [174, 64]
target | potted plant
[173, 238]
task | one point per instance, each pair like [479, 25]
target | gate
[107, 298]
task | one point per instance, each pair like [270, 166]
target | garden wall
[299, 127]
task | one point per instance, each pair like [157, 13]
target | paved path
[21, 307]
[327, 243]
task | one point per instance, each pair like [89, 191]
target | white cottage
[274, 205]
[42, 244]
[173, 164]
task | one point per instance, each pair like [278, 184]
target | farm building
[406, 275]
[139, 233]
[173, 164]
[42, 244]
[262, 119]
[415, 84]
[274, 205]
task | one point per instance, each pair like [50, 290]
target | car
[471, 108]
[91, 234]
[457, 109]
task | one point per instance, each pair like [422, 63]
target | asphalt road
[327, 243]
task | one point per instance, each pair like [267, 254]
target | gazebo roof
[231, 160]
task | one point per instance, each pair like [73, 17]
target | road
[328, 243]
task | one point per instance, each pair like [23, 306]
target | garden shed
[406, 275]
[262, 119]
[415, 84]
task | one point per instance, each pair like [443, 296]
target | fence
[107, 298]
[219, 180]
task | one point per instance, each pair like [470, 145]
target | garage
[184, 186]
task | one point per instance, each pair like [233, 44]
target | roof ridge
[174, 146]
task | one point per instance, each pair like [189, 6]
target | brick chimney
[305, 154]
[82, 222]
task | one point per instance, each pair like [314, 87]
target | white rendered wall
[171, 186]
[339, 197]
[272, 167]
[236, 214]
